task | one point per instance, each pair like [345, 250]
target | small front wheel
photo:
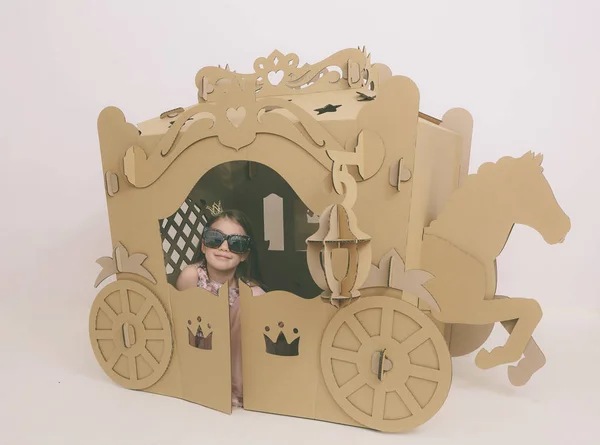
[130, 334]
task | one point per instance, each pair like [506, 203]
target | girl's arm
[188, 278]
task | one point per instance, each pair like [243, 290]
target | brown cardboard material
[533, 358]
[130, 334]
[435, 177]
[463, 339]
[279, 383]
[112, 183]
[401, 249]
[399, 174]
[123, 262]
[391, 273]
[339, 244]
[371, 164]
[460, 121]
[417, 384]
[205, 372]
[460, 249]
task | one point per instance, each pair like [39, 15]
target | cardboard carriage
[379, 248]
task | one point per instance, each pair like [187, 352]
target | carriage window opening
[280, 220]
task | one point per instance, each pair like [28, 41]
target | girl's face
[221, 258]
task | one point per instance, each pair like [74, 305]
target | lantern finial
[339, 253]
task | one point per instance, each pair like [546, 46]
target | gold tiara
[215, 209]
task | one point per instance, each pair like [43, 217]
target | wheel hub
[128, 335]
[380, 364]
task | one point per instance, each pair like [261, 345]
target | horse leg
[526, 314]
[533, 358]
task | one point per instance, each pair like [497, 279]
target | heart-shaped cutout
[275, 77]
[236, 115]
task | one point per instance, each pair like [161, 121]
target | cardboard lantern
[379, 246]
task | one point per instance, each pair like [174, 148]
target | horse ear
[529, 155]
[535, 157]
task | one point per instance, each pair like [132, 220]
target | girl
[227, 254]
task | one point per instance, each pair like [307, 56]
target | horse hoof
[517, 376]
[484, 359]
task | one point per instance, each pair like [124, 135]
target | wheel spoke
[132, 368]
[124, 302]
[409, 399]
[353, 385]
[414, 340]
[379, 403]
[387, 322]
[343, 355]
[108, 311]
[156, 334]
[357, 329]
[422, 372]
[144, 310]
[103, 334]
[149, 359]
[114, 358]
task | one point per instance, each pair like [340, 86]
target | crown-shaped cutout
[215, 209]
[199, 340]
[281, 345]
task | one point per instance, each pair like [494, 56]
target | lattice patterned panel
[181, 236]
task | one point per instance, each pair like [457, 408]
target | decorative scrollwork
[236, 122]
[279, 74]
[235, 108]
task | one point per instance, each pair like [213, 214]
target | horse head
[530, 200]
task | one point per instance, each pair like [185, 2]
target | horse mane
[462, 198]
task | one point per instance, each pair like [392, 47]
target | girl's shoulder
[256, 290]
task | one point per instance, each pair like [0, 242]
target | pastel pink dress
[212, 286]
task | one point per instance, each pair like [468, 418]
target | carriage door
[200, 319]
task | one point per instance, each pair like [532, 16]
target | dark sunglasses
[213, 238]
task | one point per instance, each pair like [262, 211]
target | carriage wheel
[386, 364]
[130, 334]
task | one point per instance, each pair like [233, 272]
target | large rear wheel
[386, 364]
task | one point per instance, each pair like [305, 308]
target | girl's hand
[188, 278]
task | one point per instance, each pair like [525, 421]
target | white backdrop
[528, 71]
